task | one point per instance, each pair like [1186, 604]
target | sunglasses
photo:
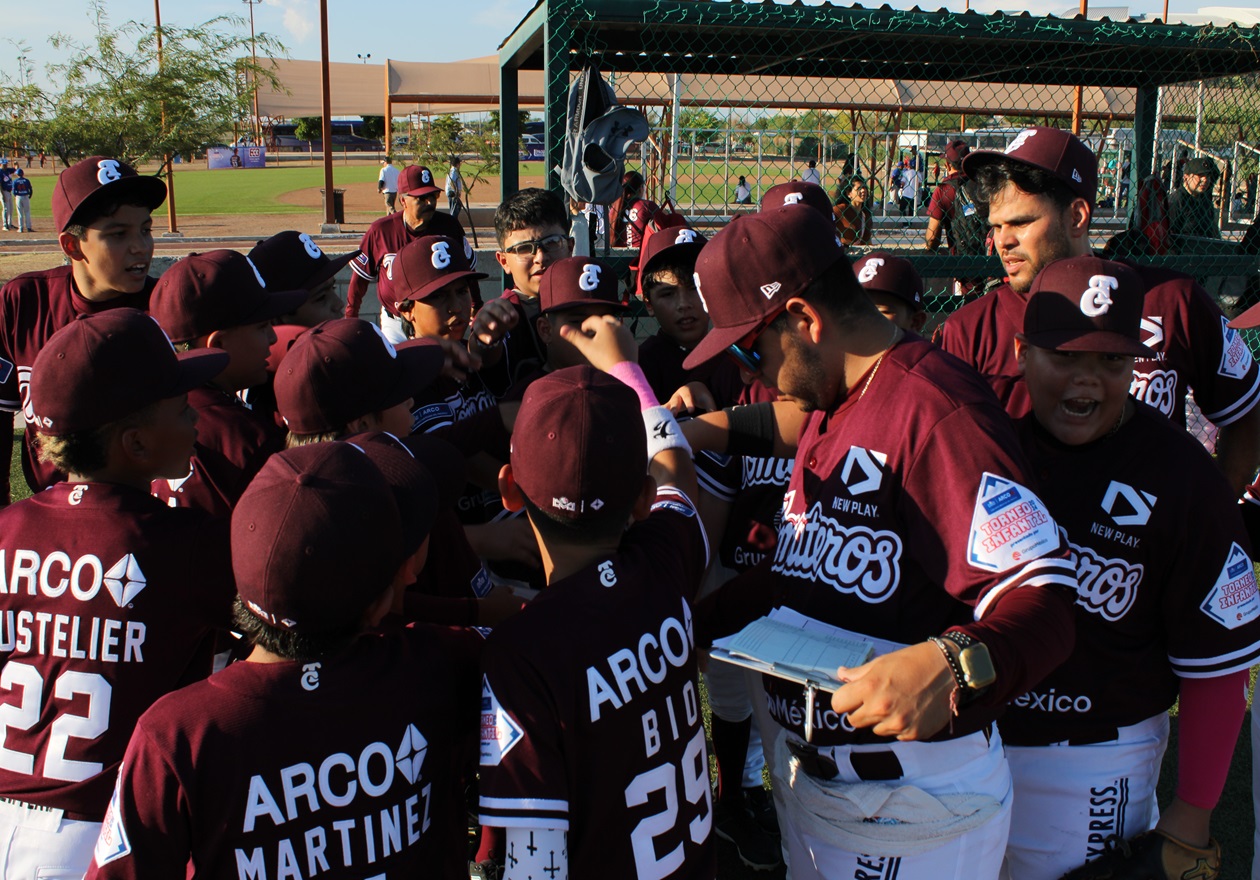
[551, 244]
[742, 352]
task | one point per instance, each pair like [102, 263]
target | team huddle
[300, 595]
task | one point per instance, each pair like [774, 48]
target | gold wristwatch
[969, 661]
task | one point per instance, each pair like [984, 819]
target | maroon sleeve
[1225, 380]
[942, 203]
[481, 431]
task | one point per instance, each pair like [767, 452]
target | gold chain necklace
[891, 342]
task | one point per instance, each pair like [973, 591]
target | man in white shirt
[811, 175]
[387, 183]
[454, 187]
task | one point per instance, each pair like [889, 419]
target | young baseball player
[896, 288]
[909, 523]
[592, 749]
[108, 594]
[22, 192]
[636, 210]
[532, 227]
[387, 236]
[1167, 608]
[101, 212]
[1040, 194]
[797, 192]
[332, 750]
[219, 300]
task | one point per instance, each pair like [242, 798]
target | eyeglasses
[742, 352]
[551, 244]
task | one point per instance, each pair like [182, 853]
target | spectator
[454, 187]
[852, 212]
[908, 195]
[743, 194]
[387, 184]
[1191, 210]
[811, 175]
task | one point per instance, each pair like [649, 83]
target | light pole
[361, 56]
[253, 75]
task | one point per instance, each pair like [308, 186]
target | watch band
[955, 668]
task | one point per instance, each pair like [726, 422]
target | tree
[373, 126]
[309, 128]
[114, 97]
[493, 126]
[699, 122]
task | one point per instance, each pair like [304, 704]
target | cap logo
[312, 249]
[1020, 139]
[870, 270]
[1096, 300]
[590, 277]
[425, 176]
[1076, 175]
[685, 236]
[107, 171]
[793, 198]
[441, 254]
[257, 274]
[468, 252]
[389, 346]
[696, 277]
[771, 289]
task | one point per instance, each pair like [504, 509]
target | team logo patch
[1156, 388]
[410, 755]
[1096, 299]
[1233, 600]
[441, 255]
[851, 559]
[863, 470]
[309, 245]
[1009, 526]
[499, 733]
[1127, 506]
[589, 280]
[125, 580]
[770, 290]
[107, 171]
[310, 676]
[685, 236]
[430, 414]
[1106, 587]
[481, 583]
[793, 198]
[1021, 139]
[6, 370]
[870, 270]
[113, 844]
[1235, 356]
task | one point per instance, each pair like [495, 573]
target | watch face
[977, 665]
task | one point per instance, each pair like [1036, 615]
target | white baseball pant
[39, 843]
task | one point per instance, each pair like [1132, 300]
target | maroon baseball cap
[417, 180]
[797, 192]
[343, 369]
[1086, 304]
[415, 491]
[426, 265]
[444, 462]
[1050, 149]
[316, 538]
[679, 242]
[578, 444]
[578, 281]
[97, 179]
[292, 259]
[956, 151]
[749, 270]
[217, 290]
[896, 276]
[106, 366]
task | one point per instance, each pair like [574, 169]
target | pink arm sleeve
[1210, 717]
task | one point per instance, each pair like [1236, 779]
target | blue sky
[431, 30]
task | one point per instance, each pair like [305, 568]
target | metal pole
[726, 165]
[330, 223]
[693, 172]
[759, 134]
[172, 229]
[1076, 94]
[1198, 118]
[1159, 124]
[253, 76]
[673, 139]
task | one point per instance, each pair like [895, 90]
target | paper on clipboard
[789, 645]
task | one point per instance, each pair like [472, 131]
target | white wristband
[663, 432]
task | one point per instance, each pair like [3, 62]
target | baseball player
[909, 523]
[797, 192]
[102, 213]
[532, 227]
[896, 288]
[1040, 194]
[388, 235]
[637, 211]
[332, 750]
[1167, 609]
[22, 192]
[108, 594]
[219, 300]
[6, 193]
[592, 748]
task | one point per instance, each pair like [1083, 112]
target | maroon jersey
[33, 307]
[907, 513]
[662, 362]
[385, 238]
[233, 443]
[345, 768]
[638, 215]
[1186, 330]
[590, 713]
[1167, 589]
[104, 597]
[523, 352]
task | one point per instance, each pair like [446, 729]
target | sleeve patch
[1235, 356]
[430, 416]
[1009, 526]
[675, 506]
[481, 583]
[1233, 600]
[113, 843]
[499, 733]
[6, 370]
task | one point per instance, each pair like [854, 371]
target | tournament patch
[1235, 356]
[113, 844]
[481, 583]
[499, 733]
[1009, 526]
[1233, 600]
[675, 506]
[430, 416]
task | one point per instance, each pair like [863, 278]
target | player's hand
[498, 605]
[459, 360]
[1151, 855]
[692, 397]
[603, 340]
[493, 322]
[905, 694]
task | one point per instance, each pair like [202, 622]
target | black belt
[872, 766]
[1095, 736]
